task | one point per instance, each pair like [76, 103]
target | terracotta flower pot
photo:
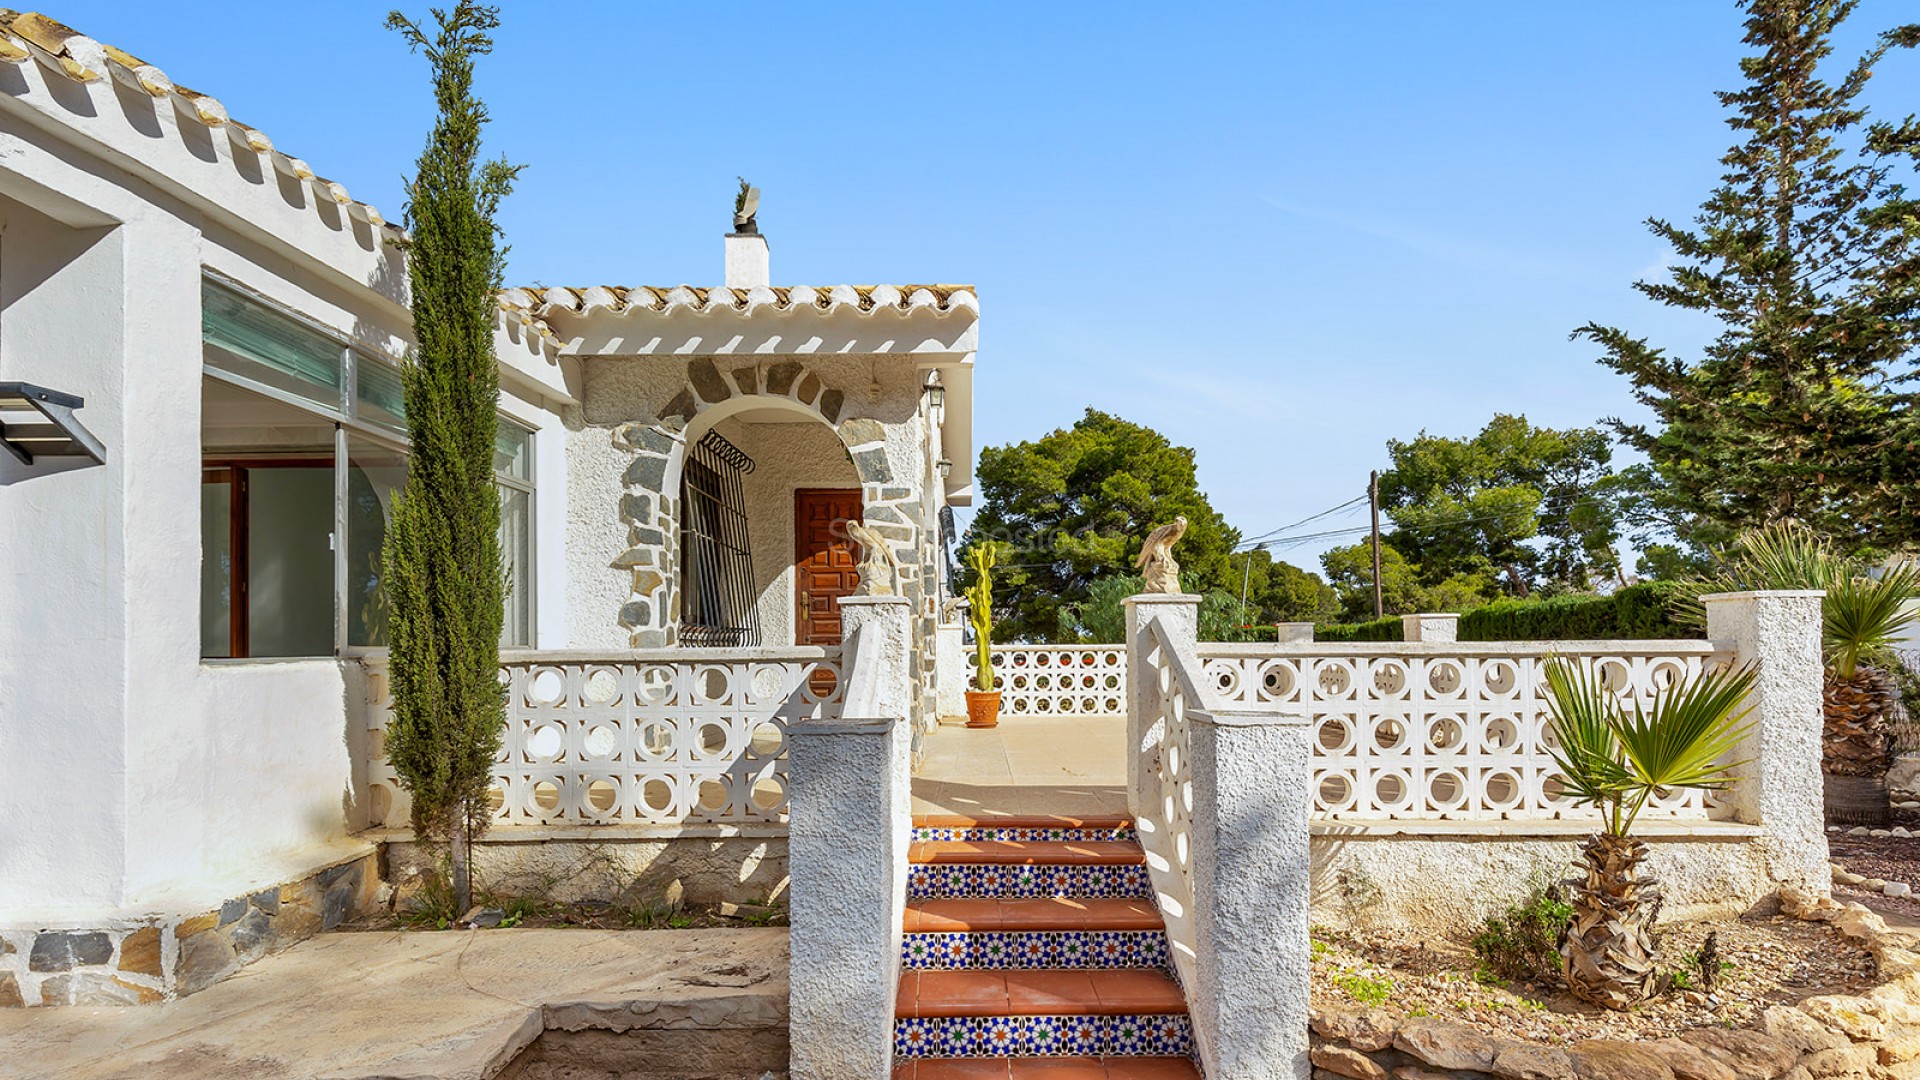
[983, 708]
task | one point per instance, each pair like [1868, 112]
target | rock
[1751, 1055]
[1899, 1044]
[1857, 830]
[1415, 1072]
[1879, 834]
[1445, 1045]
[1856, 921]
[1529, 1061]
[1855, 1017]
[10, 992]
[1803, 904]
[66, 951]
[1367, 1030]
[1798, 1030]
[1902, 832]
[483, 918]
[1874, 884]
[140, 952]
[1848, 877]
[205, 959]
[1904, 773]
[1346, 1062]
[197, 924]
[1898, 888]
[252, 936]
[1604, 1059]
[94, 988]
[1689, 1062]
[336, 905]
[1847, 1061]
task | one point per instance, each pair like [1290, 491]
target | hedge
[1387, 629]
[1635, 612]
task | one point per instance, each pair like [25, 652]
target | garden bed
[1767, 960]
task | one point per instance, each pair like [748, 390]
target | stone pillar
[847, 853]
[1781, 785]
[1251, 892]
[1293, 633]
[1179, 614]
[1430, 626]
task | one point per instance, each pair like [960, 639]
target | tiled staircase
[1033, 948]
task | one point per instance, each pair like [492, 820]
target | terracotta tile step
[1028, 853]
[1039, 992]
[1030, 821]
[1047, 1068]
[1059, 913]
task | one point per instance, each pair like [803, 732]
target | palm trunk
[1856, 740]
[1607, 956]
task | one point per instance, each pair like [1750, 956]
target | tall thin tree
[1808, 254]
[444, 570]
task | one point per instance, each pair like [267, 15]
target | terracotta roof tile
[28, 36]
[534, 303]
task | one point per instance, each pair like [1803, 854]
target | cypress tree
[445, 575]
[1808, 254]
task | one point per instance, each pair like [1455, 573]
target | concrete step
[1050, 992]
[1044, 914]
[1047, 1068]
[1054, 827]
[1028, 852]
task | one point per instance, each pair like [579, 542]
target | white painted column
[1179, 614]
[1781, 789]
[1430, 626]
[1252, 884]
[847, 852]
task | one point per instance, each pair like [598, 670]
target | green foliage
[1072, 507]
[1475, 509]
[1523, 942]
[1806, 254]
[442, 559]
[1863, 613]
[1364, 989]
[1387, 629]
[1616, 759]
[980, 559]
[1639, 611]
[1278, 591]
[1350, 571]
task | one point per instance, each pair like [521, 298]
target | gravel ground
[1889, 858]
[1776, 960]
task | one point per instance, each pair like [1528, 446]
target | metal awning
[36, 423]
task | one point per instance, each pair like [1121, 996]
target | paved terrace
[458, 1005]
[1073, 766]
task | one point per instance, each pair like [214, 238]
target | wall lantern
[945, 467]
[936, 394]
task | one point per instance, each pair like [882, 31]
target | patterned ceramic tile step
[952, 881]
[1034, 949]
[1054, 829]
[1053, 1068]
[1028, 853]
[1048, 913]
[1047, 992]
[1145, 1035]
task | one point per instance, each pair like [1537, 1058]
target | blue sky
[1280, 233]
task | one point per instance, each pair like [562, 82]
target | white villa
[187, 613]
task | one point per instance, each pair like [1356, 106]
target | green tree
[1522, 505]
[1350, 572]
[1808, 254]
[445, 574]
[1072, 507]
[1279, 591]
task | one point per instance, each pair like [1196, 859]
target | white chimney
[747, 264]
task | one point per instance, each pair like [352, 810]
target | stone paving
[458, 1005]
[1072, 765]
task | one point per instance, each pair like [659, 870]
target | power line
[1324, 513]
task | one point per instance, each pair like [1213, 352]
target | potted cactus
[983, 701]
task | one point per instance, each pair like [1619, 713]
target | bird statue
[879, 569]
[1156, 563]
[745, 205]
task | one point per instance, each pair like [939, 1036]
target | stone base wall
[1366, 879]
[565, 867]
[160, 957]
[1876, 1034]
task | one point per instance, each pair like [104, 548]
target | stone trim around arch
[650, 503]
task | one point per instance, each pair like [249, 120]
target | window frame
[347, 424]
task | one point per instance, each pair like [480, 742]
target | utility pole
[1373, 496]
[1246, 576]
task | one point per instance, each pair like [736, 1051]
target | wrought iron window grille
[717, 606]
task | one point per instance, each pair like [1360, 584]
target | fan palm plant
[1617, 758]
[1864, 613]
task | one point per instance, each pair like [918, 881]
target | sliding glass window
[303, 453]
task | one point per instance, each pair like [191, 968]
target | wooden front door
[825, 563]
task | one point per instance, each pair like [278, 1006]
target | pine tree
[1808, 253]
[445, 574]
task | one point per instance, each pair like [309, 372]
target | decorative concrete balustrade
[1058, 680]
[1446, 730]
[666, 738]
